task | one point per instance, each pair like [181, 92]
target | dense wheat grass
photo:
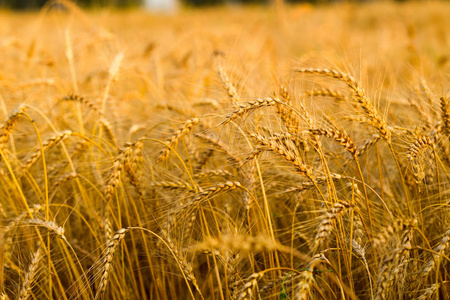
[227, 153]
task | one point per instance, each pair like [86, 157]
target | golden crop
[226, 153]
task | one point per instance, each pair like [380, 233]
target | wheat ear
[438, 255]
[326, 92]
[418, 145]
[80, 99]
[111, 248]
[246, 292]
[173, 141]
[341, 137]
[171, 185]
[280, 150]
[249, 107]
[214, 190]
[45, 146]
[9, 125]
[303, 287]
[228, 86]
[360, 96]
[445, 113]
[325, 226]
[25, 290]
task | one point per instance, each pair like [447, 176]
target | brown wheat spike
[232, 261]
[173, 141]
[118, 165]
[360, 95]
[228, 86]
[367, 145]
[219, 173]
[308, 184]
[438, 256]
[251, 106]
[389, 232]
[106, 126]
[342, 138]
[180, 257]
[303, 287]
[445, 110]
[417, 146]
[214, 190]
[392, 267]
[107, 260]
[49, 225]
[45, 146]
[358, 229]
[137, 159]
[133, 168]
[364, 147]
[133, 177]
[171, 185]
[325, 226]
[63, 179]
[255, 153]
[285, 94]
[326, 92]
[298, 140]
[249, 181]
[292, 122]
[81, 99]
[8, 127]
[106, 224]
[360, 251]
[429, 292]
[280, 150]
[286, 114]
[246, 292]
[25, 290]
[289, 119]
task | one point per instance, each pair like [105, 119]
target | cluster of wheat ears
[152, 164]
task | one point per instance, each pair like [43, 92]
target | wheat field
[226, 153]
